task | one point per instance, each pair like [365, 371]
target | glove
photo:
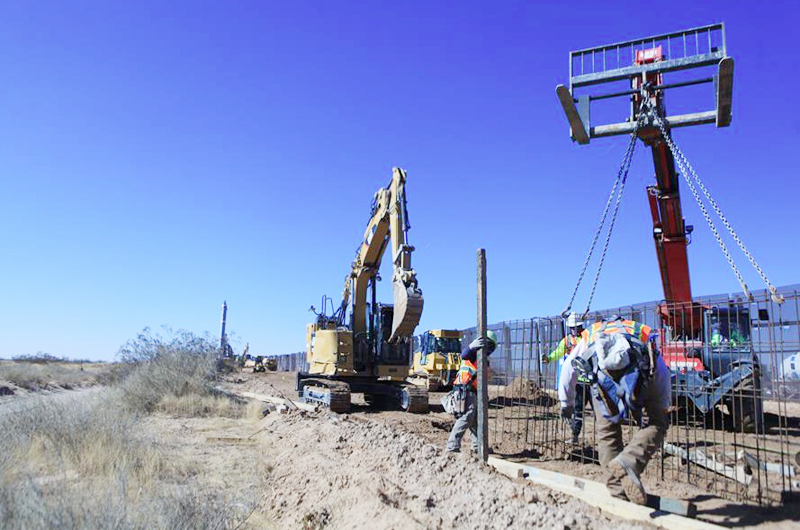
[566, 412]
[476, 344]
[545, 358]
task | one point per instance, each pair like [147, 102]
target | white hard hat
[573, 321]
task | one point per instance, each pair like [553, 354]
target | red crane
[706, 372]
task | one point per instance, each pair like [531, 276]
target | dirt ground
[339, 437]
[387, 469]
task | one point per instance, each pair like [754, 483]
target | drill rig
[707, 371]
[365, 346]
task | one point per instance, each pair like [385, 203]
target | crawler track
[334, 395]
[414, 399]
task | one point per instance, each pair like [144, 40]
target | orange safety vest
[467, 374]
[631, 328]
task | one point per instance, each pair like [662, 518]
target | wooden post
[483, 383]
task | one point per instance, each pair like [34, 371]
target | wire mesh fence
[292, 362]
[735, 416]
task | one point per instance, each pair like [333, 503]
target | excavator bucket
[407, 310]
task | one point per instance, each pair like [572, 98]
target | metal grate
[710, 443]
[701, 46]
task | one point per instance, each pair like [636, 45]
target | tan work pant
[645, 441]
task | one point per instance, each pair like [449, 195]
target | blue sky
[159, 158]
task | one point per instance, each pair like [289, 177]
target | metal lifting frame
[683, 50]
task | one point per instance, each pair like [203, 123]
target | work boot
[629, 482]
[614, 475]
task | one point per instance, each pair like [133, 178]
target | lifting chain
[616, 190]
[686, 170]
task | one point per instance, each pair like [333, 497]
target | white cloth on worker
[569, 377]
[612, 351]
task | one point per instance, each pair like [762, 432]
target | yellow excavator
[437, 359]
[364, 346]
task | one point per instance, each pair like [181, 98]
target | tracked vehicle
[364, 346]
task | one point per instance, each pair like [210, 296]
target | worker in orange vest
[465, 388]
[628, 378]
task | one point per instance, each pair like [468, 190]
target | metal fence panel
[735, 416]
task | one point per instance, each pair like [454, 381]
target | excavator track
[414, 398]
[333, 395]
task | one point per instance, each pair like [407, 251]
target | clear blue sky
[161, 157]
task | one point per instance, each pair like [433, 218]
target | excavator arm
[388, 224]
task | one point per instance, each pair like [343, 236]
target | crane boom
[670, 233]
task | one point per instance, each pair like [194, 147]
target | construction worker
[628, 377]
[466, 386]
[582, 390]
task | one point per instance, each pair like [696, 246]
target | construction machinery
[270, 363]
[437, 360]
[224, 346]
[364, 346]
[254, 363]
[707, 372]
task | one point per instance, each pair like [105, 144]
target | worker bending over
[628, 377]
[573, 413]
[465, 388]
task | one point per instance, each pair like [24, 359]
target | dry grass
[193, 405]
[51, 375]
[84, 460]
[77, 437]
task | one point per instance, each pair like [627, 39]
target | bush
[42, 376]
[178, 365]
[43, 358]
[81, 463]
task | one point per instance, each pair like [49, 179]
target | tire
[744, 408]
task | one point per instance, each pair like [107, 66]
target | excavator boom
[388, 224]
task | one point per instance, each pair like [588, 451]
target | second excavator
[364, 346]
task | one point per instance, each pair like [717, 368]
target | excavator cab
[392, 357]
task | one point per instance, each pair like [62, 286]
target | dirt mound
[280, 386]
[335, 471]
[528, 391]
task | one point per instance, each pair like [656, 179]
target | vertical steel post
[222, 338]
[483, 383]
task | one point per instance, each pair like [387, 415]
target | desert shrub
[82, 463]
[25, 505]
[83, 435]
[42, 376]
[41, 357]
[156, 366]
